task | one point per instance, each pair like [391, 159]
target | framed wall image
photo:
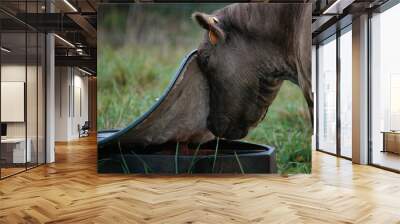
[192, 88]
[12, 101]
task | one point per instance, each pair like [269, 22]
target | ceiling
[76, 20]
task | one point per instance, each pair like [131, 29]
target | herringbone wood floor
[70, 191]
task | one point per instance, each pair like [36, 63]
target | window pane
[346, 94]
[327, 96]
[385, 92]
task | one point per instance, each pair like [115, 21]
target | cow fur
[259, 46]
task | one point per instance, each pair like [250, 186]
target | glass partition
[41, 96]
[327, 96]
[14, 153]
[22, 107]
[31, 100]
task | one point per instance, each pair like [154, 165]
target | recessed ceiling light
[337, 7]
[70, 5]
[5, 50]
[84, 71]
[64, 40]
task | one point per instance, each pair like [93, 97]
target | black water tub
[118, 150]
[230, 157]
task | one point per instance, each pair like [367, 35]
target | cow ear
[210, 23]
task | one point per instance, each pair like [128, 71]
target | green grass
[133, 74]
[129, 84]
[287, 127]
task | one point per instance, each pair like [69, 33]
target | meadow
[140, 52]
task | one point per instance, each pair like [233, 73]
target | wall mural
[204, 88]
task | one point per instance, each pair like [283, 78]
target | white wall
[62, 81]
[80, 111]
[71, 102]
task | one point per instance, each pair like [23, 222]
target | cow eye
[205, 60]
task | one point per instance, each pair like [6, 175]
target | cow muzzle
[222, 127]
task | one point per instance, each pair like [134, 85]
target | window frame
[336, 35]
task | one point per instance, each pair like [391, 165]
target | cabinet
[13, 150]
[391, 142]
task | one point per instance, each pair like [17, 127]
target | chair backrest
[86, 125]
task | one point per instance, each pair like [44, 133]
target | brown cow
[228, 85]
[248, 51]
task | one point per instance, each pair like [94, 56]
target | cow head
[243, 83]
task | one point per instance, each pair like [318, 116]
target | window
[385, 89]
[346, 93]
[327, 96]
